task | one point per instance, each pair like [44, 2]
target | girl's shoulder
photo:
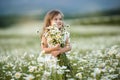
[46, 32]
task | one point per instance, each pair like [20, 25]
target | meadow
[95, 53]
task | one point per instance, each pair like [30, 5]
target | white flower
[71, 79]
[75, 64]
[112, 51]
[83, 60]
[18, 75]
[93, 74]
[99, 53]
[79, 75]
[58, 67]
[46, 73]
[67, 70]
[32, 68]
[53, 32]
[111, 70]
[67, 25]
[114, 47]
[102, 65]
[60, 71]
[24, 55]
[31, 56]
[29, 77]
[81, 68]
[63, 67]
[97, 71]
[118, 56]
[103, 70]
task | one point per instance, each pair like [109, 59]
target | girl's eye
[60, 19]
[55, 19]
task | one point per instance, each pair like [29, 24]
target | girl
[52, 53]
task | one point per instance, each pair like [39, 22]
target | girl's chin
[59, 27]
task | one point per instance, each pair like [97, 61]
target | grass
[19, 51]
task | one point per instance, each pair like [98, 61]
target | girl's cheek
[53, 22]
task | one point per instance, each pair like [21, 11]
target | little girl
[52, 53]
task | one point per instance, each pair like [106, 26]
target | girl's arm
[62, 50]
[44, 46]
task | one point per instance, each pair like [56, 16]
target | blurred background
[95, 24]
[94, 35]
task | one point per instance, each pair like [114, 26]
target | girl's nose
[57, 21]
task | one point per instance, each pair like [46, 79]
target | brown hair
[49, 16]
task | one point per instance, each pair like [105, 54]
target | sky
[66, 6]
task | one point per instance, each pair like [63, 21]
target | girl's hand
[57, 47]
[55, 53]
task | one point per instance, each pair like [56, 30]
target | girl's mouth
[59, 24]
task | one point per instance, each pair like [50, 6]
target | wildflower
[18, 75]
[29, 77]
[45, 75]
[67, 70]
[103, 70]
[118, 56]
[71, 79]
[102, 65]
[97, 71]
[31, 56]
[79, 75]
[63, 67]
[81, 68]
[32, 68]
[60, 71]
[74, 64]
[93, 74]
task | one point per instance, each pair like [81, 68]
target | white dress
[50, 61]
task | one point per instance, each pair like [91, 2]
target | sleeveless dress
[54, 68]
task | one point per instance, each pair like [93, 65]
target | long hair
[49, 16]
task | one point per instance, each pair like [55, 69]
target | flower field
[95, 54]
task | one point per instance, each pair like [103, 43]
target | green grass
[20, 51]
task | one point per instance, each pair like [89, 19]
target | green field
[95, 53]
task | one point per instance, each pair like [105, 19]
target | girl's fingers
[55, 53]
[57, 46]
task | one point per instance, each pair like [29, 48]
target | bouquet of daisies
[54, 35]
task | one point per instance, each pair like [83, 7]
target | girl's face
[57, 20]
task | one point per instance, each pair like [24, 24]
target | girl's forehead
[58, 15]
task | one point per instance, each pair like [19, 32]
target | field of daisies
[95, 53]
